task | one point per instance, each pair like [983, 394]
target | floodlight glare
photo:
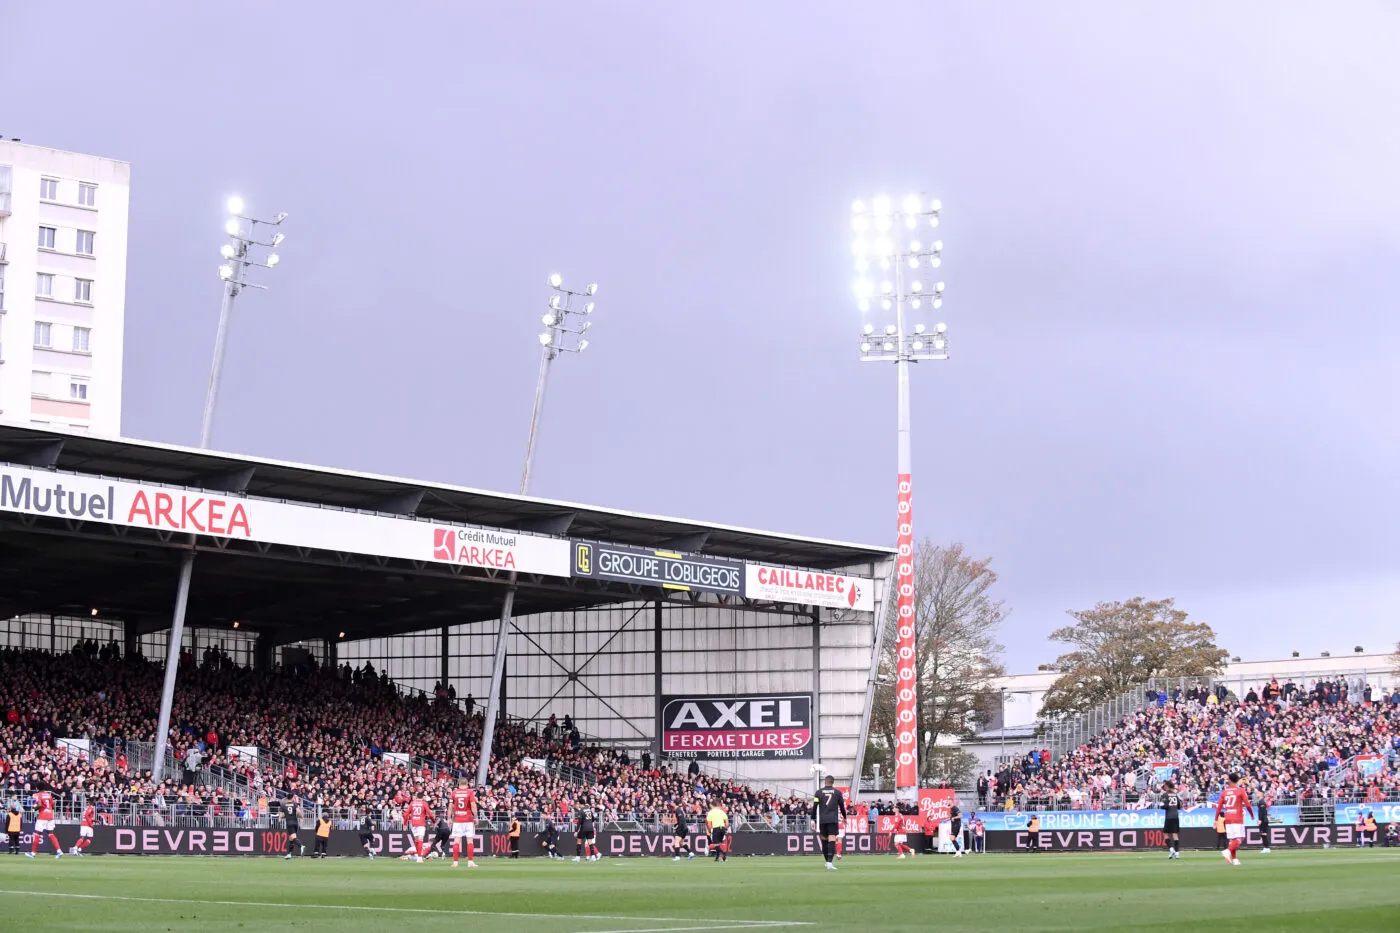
[226, 251]
[232, 227]
[939, 344]
[882, 204]
[883, 222]
[935, 205]
[555, 280]
[862, 264]
[884, 246]
[886, 287]
[588, 308]
[938, 246]
[888, 346]
[935, 262]
[915, 246]
[941, 328]
[273, 259]
[913, 262]
[226, 272]
[917, 286]
[912, 204]
[915, 303]
[868, 329]
[889, 328]
[546, 339]
[917, 345]
[863, 304]
[860, 223]
[937, 303]
[548, 320]
[864, 287]
[235, 205]
[887, 304]
[865, 348]
[911, 220]
[857, 207]
[918, 328]
[938, 288]
[884, 263]
[933, 221]
[591, 290]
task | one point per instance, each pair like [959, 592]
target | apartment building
[63, 233]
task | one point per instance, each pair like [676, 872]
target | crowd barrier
[118, 840]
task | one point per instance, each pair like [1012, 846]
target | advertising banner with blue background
[1203, 817]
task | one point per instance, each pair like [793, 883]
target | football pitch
[1284, 891]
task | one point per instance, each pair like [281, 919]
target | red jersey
[418, 813]
[1234, 801]
[89, 815]
[43, 802]
[463, 805]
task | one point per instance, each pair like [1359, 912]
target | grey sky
[1171, 240]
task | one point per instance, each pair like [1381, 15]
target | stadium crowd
[341, 738]
[1293, 742]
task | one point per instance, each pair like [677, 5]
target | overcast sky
[1171, 233]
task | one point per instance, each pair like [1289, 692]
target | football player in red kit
[417, 815]
[43, 823]
[463, 821]
[1233, 803]
[85, 830]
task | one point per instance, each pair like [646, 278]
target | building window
[82, 290]
[87, 195]
[47, 237]
[44, 286]
[48, 189]
[43, 334]
[85, 242]
[82, 339]
[77, 391]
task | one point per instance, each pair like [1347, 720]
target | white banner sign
[223, 515]
[76, 748]
[808, 587]
[243, 755]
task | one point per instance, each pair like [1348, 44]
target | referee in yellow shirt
[717, 822]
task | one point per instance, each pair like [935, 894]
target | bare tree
[957, 654]
[1120, 645]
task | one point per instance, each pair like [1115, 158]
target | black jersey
[829, 806]
[293, 819]
[1171, 803]
[682, 824]
[585, 827]
[1262, 808]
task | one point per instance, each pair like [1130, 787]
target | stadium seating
[1292, 741]
[322, 735]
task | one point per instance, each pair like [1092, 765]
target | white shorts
[43, 826]
[84, 832]
[901, 837]
[463, 829]
[1234, 830]
[419, 832]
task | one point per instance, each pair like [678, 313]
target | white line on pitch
[717, 924]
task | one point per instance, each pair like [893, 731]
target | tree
[1120, 645]
[955, 623]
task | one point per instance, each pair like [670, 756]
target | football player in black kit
[1171, 825]
[829, 812]
[682, 836]
[584, 839]
[550, 839]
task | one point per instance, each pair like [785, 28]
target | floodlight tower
[239, 256]
[891, 287]
[564, 327]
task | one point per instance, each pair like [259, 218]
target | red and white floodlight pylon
[890, 261]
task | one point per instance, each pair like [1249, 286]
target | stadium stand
[1294, 742]
[342, 740]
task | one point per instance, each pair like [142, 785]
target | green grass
[1285, 891]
